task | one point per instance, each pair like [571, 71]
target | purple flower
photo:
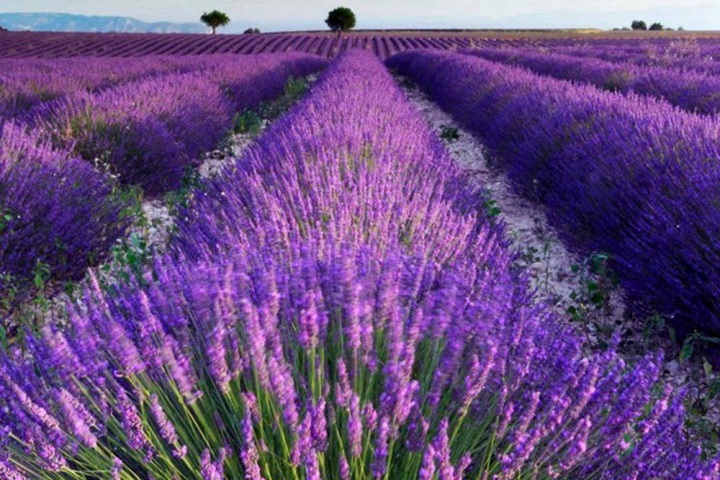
[248, 453]
[212, 470]
[167, 430]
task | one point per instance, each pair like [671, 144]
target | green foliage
[491, 207]
[694, 342]
[9, 292]
[596, 282]
[656, 26]
[638, 25]
[449, 133]
[130, 196]
[129, 256]
[41, 275]
[215, 19]
[251, 121]
[293, 90]
[698, 408]
[655, 325]
[340, 19]
[176, 199]
[247, 122]
[6, 217]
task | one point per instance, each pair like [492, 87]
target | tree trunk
[214, 30]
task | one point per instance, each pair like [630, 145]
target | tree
[215, 19]
[638, 25]
[251, 31]
[656, 26]
[340, 20]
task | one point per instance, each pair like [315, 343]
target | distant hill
[63, 22]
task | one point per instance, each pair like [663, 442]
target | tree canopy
[215, 19]
[340, 19]
[656, 26]
[638, 25]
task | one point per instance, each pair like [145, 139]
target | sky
[281, 15]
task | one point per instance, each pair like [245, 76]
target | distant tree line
[3, 29]
[641, 25]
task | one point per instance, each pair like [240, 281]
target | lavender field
[360, 257]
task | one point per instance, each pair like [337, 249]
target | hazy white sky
[271, 15]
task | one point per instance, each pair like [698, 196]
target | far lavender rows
[625, 175]
[54, 45]
[146, 132]
[27, 82]
[685, 50]
[323, 345]
[693, 91]
[688, 54]
[149, 132]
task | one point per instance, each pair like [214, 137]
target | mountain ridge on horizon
[68, 22]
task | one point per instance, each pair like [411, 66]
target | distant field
[382, 43]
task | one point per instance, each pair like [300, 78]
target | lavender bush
[329, 363]
[692, 91]
[54, 209]
[629, 176]
[148, 132]
[315, 348]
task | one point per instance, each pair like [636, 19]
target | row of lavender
[53, 45]
[625, 175]
[693, 91]
[145, 132]
[339, 308]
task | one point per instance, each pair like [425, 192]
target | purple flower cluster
[148, 132]
[626, 175]
[692, 91]
[54, 209]
[366, 323]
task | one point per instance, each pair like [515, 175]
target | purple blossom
[212, 470]
[71, 226]
[167, 430]
[248, 453]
